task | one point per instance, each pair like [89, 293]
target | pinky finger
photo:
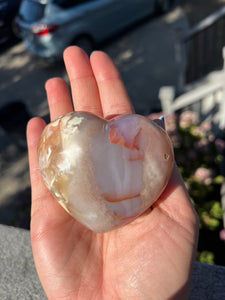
[34, 129]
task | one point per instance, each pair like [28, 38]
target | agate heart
[105, 173]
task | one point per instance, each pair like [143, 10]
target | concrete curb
[18, 276]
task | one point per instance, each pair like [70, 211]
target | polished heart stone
[105, 173]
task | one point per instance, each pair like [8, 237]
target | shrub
[199, 155]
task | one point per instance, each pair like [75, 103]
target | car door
[144, 7]
[106, 17]
[135, 10]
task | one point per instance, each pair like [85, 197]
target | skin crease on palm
[151, 257]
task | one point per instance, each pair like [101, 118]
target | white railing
[207, 98]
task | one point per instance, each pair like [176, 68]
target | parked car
[47, 27]
[8, 11]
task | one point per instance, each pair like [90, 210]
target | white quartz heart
[105, 173]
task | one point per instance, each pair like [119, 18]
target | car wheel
[15, 29]
[163, 6]
[8, 34]
[84, 42]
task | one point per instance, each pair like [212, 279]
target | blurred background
[165, 51]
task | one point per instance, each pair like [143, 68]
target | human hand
[151, 257]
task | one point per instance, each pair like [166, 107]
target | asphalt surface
[148, 57]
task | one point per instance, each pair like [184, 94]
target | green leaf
[218, 179]
[216, 210]
[206, 257]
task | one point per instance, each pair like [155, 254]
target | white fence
[207, 98]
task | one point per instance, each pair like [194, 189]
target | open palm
[150, 258]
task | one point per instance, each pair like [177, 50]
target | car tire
[163, 6]
[9, 33]
[84, 42]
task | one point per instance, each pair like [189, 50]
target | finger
[84, 88]
[113, 94]
[34, 130]
[59, 99]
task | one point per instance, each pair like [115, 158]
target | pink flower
[175, 139]
[220, 145]
[202, 145]
[203, 176]
[171, 123]
[205, 126]
[222, 234]
[211, 137]
[188, 118]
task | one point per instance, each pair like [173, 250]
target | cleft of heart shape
[105, 173]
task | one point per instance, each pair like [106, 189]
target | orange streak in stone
[116, 137]
[140, 157]
[117, 216]
[135, 142]
[119, 200]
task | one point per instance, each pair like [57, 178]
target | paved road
[146, 57]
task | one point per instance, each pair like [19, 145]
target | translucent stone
[105, 173]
